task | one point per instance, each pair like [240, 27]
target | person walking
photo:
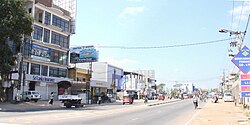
[51, 98]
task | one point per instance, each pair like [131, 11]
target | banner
[83, 54]
[40, 53]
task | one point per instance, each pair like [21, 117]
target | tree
[161, 88]
[15, 21]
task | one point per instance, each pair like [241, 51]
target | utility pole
[114, 84]
[20, 70]
[88, 82]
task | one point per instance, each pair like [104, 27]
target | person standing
[51, 98]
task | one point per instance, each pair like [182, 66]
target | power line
[167, 46]
[232, 16]
[240, 14]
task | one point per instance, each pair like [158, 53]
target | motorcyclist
[195, 101]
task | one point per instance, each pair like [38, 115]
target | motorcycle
[195, 104]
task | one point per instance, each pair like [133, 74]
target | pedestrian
[51, 98]
[99, 100]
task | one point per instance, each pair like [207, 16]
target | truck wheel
[27, 100]
[68, 106]
[35, 100]
[123, 103]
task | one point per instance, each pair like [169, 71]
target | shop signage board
[83, 54]
[245, 85]
[242, 60]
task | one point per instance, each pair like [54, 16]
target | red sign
[245, 88]
[245, 76]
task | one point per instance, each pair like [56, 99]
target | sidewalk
[222, 113]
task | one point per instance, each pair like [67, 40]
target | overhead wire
[166, 46]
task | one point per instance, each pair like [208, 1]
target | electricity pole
[20, 70]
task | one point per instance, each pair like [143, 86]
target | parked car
[31, 96]
[220, 96]
[228, 97]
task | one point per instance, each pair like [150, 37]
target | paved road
[177, 113]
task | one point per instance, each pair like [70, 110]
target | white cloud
[122, 63]
[131, 11]
[240, 14]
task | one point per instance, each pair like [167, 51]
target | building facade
[46, 51]
[104, 78]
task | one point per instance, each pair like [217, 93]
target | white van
[228, 97]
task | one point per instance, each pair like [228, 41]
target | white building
[149, 79]
[103, 77]
[46, 52]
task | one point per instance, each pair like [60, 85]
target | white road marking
[135, 119]
[193, 117]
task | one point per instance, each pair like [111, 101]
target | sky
[157, 23]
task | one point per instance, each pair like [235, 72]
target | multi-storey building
[46, 51]
[149, 78]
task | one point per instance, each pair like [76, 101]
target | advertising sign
[242, 60]
[245, 85]
[83, 54]
[40, 53]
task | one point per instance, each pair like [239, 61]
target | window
[38, 33]
[26, 67]
[53, 72]
[47, 18]
[62, 72]
[58, 57]
[35, 69]
[27, 49]
[44, 70]
[61, 23]
[57, 72]
[46, 35]
[59, 39]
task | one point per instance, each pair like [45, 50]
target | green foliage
[161, 88]
[15, 21]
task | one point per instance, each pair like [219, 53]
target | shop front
[42, 84]
[98, 89]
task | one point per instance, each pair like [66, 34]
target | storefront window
[44, 70]
[57, 72]
[35, 69]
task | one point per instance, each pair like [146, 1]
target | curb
[159, 103]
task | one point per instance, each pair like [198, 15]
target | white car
[31, 95]
[228, 97]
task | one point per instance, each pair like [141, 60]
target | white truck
[72, 100]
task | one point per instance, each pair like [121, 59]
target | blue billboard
[242, 60]
[83, 54]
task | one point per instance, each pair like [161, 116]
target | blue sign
[245, 82]
[83, 54]
[242, 60]
[245, 94]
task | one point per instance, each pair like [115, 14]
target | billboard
[83, 54]
[40, 53]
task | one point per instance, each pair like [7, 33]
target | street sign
[245, 82]
[245, 94]
[242, 60]
[245, 85]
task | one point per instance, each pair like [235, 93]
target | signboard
[83, 54]
[245, 85]
[40, 53]
[242, 60]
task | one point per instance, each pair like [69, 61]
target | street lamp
[239, 41]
